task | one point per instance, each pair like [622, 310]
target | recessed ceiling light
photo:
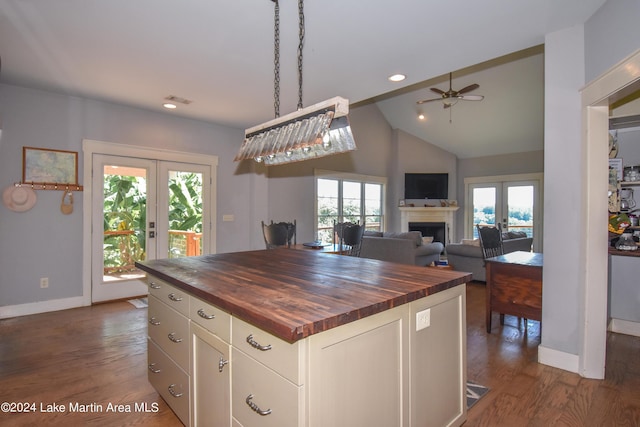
[169, 106]
[397, 77]
[421, 116]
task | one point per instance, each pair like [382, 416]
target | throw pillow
[416, 236]
[371, 233]
[516, 234]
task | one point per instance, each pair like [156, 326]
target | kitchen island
[301, 338]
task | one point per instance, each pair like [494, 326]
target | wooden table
[514, 285]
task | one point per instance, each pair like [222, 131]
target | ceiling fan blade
[468, 88]
[438, 91]
[471, 97]
[428, 100]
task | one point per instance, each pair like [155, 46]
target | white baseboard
[624, 327]
[558, 359]
[40, 307]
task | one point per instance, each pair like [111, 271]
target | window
[344, 197]
[513, 201]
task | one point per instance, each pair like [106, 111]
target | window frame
[341, 177]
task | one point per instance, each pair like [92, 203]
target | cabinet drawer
[258, 386]
[170, 295]
[169, 380]
[277, 354]
[211, 318]
[170, 330]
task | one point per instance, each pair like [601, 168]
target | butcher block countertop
[293, 294]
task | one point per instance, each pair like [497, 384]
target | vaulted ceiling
[220, 56]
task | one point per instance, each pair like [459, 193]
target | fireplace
[437, 230]
[431, 215]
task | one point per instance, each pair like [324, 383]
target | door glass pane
[185, 214]
[351, 201]
[484, 207]
[327, 208]
[124, 210]
[373, 206]
[520, 209]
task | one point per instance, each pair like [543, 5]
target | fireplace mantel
[427, 214]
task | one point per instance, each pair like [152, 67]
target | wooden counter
[293, 293]
[300, 338]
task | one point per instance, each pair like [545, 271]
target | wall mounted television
[426, 185]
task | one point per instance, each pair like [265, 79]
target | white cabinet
[376, 371]
[168, 346]
[261, 397]
[624, 294]
[210, 378]
[359, 372]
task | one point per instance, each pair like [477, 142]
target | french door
[144, 209]
[512, 203]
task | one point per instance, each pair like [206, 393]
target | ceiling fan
[451, 97]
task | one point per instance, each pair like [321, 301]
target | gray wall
[611, 35]
[44, 243]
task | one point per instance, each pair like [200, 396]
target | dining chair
[279, 234]
[490, 240]
[348, 236]
[491, 245]
[352, 238]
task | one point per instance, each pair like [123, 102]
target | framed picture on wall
[42, 165]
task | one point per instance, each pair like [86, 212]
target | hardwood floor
[91, 355]
[525, 393]
[97, 355]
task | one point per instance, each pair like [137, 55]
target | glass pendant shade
[300, 136]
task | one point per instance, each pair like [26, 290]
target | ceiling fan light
[450, 102]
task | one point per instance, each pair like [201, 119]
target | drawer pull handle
[221, 364]
[255, 407]
[152, 369]
[173, 392]
[253, 343]
[154, 285]
[173, 297]
[172, 337]
[154, 321]
[204, 315]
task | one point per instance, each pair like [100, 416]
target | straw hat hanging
[19, 198]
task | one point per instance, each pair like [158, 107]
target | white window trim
[346, 176]
[538, 211]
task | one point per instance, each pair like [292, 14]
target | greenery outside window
[342, 197]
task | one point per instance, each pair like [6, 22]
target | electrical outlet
[44, 282]
[423, 319]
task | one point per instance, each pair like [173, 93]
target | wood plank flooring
[97, 355]
[525, 393]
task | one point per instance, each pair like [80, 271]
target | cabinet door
[358, 372]
[211, 379]
[438, 359]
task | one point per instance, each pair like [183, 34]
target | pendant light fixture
[308, 133]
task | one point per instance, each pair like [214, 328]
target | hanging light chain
[300, 46]
[276, 59]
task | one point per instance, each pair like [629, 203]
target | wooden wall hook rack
[50, 186]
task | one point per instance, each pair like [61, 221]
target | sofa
[403, 247]
[467, 255]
